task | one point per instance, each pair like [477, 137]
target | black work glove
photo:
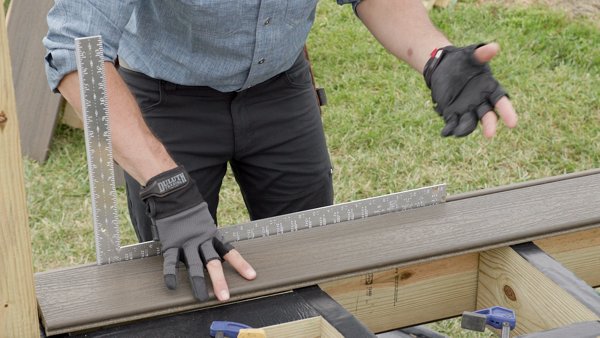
[462, 87]
[185, 227]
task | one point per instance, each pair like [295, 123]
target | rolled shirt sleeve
[71, 19]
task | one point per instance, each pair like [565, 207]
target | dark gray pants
[271, 134]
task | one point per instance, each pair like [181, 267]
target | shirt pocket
[299, 11]
[211, 18]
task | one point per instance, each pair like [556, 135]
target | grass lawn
[382, 131]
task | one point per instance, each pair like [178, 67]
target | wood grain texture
[414, 294]
[327, 330]
[538, 302]
[36, 104]
[445, 288]
[316, 327]
[18, 312]
[131, 290]
[579, 252]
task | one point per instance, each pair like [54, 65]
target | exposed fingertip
[488, 124]
[240, 264]
[507, 112]
[489, 134]
[487, 52]
[249, 273]
[171, 281]
[511, 123]
[224, 295]
[494, 45]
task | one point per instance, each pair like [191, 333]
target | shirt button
[261, 61]
[268, 21]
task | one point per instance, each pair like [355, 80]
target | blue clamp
[497, 315]
[228, 329]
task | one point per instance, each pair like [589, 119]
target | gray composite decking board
[91, 296]
[37, 106]
[520, 185]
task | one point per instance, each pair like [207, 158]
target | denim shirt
[228, 45]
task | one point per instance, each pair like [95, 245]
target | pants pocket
[147, 91]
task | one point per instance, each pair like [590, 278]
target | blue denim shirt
[228, 45]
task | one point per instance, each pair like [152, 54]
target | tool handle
[227, 328]
[498, 315]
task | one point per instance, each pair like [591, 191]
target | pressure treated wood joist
[444, 288]
[507, 279]
[18, 315]
[89, 296]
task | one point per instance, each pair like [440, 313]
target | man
[225, 81]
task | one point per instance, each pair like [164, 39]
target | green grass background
[383, 134]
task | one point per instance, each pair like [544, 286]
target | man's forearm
[403, 28]
[135, 148]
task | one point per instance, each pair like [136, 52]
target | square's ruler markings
[90, 64]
